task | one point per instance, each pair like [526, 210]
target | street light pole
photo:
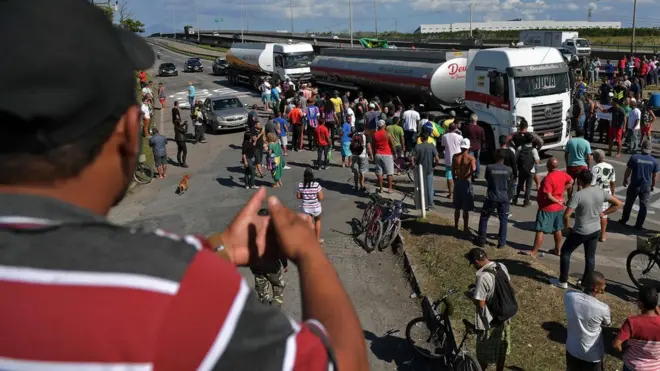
[376, 19]
[242, 8]
[470, 19]
[350, 20]
[632, 39]
[197, 19]
[291, 13]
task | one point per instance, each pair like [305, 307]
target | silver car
[224, 113]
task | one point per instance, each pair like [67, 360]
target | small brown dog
[183, 185]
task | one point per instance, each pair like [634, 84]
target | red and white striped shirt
[643, 336]
[81, 294]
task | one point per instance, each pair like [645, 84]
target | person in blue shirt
[283, 131]
[643, 169]
[191, 97]
[275, 96]
[346, 155]
[577, 156]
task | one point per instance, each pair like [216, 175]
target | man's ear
[128, 129]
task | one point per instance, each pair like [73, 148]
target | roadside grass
[437, 252]
[213, 48]
[623, 41]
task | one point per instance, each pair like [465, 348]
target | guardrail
[607, 51]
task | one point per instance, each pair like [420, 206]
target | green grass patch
[437, 251]
[213, 48]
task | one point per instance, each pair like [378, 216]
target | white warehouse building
[513, 25]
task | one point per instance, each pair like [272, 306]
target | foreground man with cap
[86, 294]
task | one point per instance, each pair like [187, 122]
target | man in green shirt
[396, 131]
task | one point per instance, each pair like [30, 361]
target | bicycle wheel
[143, 174]
[367, 215]
[373, 235]
[423, 341]
[411, 174]
[466, 362]
[391, 232]
[643, 269]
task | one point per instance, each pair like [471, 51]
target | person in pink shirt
[642, 333]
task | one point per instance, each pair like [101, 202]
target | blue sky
[405, 15]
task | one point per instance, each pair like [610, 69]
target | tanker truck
[249, 63]
[503, 86]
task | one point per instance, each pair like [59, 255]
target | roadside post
[420, 200]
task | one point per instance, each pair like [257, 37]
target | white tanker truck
[249, 63]
[502, 86]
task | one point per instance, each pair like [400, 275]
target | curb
[408, 267]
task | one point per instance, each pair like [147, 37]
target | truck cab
[293, 61]
[578, 46]
[503, 86]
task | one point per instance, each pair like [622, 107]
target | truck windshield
[536, 86]
[581, 43]
[298, 60]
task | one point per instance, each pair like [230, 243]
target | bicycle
[392, 223]
[372, 223]
[643, 260]
[144, 173]
[402, 166]
[440, 336]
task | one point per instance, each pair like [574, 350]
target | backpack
[526, 159]
[357, 144]
[502, 305]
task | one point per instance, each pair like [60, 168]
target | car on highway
[224, 113]
[220, 66]
[167, 69]
[568, 55]
[216, 34]
[193, 65]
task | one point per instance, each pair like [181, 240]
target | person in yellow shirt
[435, 131]
[450, 120]
[338, 104]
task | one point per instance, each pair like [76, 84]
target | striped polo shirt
[79, 293]
[643, 336]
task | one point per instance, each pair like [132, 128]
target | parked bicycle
[402, 165]
[432, 335]
[643, 264]
[381, 222]
[144, 173]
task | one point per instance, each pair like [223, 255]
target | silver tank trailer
[439, 75]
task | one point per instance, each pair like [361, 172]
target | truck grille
[547, 121]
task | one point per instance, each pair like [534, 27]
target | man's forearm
[324, 299]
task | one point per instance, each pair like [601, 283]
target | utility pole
[632, 39]
[242, 8]
[247, 19]
[291, 13]
[396, 25]
[197, 18]
[350, 20]
[174, 22]
[470, 19]
[376, 19]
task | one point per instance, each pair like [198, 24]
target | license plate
[549, 134]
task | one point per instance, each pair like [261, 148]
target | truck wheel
[255, 82]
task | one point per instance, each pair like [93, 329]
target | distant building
[513, 25]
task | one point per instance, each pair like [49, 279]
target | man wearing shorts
[384, 147]
[361, 163]
[549, 217]
[463, 166]
[615, 130]
[604, 178]
[451, 142]
[577, 156]
[158, 144]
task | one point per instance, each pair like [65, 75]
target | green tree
[109, 12]
[132, 25]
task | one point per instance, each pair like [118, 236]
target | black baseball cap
[66, 69]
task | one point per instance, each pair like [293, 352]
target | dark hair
[308, 178]
[592, 279]
[524, 124]
[329, 107]
[585, 176]
[425, 115]
[51, 163]
[425, 134]
[503, 140]
[648, 297]
[500, 154]
[579, 131]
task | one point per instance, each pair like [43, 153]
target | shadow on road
[394, 349]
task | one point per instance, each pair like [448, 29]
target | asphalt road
[611, 254]
[375, 282]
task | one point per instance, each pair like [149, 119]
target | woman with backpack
[311, 195]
